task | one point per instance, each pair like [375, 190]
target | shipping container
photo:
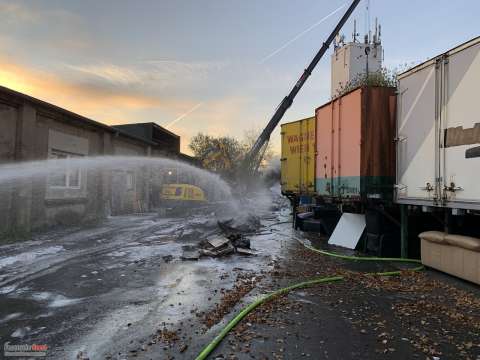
[298, 157]
[438, 131]
[355, 156]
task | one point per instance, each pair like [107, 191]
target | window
[69, 177]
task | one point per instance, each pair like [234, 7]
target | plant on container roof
[380, 78]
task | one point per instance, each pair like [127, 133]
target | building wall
[31, 130]
[130, 187]
[8, 123]
[8, 114]
[78, 193]
[31, 133]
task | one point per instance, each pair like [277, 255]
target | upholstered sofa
[454, 254]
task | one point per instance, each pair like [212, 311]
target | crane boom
[254, 156]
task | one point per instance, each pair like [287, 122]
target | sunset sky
[216, 66]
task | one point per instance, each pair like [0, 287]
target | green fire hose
[245, 311]
[361, 258]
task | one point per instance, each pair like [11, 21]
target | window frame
[53, 154]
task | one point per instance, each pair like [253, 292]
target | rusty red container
[355, 155]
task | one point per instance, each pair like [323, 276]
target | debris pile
[245, 225]
[232, 240]
[217, 246]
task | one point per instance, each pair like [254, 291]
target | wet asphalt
[108, 291]
[104, 291]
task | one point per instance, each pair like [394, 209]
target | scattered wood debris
[167, 336]
[432, 318]
[218, 247]
[245, 251]
[218, 242]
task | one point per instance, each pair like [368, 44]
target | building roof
[151, 131]
[147, 124]
[18, 98]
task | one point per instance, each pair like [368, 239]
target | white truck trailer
[438, 131]
[438, 160]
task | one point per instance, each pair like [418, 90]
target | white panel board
[348, 231]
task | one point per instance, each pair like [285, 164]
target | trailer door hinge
[452, 188]
[428, 187]
[400, 138]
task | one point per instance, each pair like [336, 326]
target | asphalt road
[105, 290]
[120, 290]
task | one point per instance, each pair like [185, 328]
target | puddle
[54, 300]
[7, 289]
[11, 317]
[30, 256]
[21, 332]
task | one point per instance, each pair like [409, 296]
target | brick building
[31, 129]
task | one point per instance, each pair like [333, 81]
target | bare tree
[218, 154]
[224, 155]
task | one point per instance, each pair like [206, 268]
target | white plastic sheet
[348, 231]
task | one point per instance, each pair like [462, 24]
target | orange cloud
[221, 117]
[118, 104]
[114, 103]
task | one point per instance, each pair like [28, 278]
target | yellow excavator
[175, 195]
[183, 195]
